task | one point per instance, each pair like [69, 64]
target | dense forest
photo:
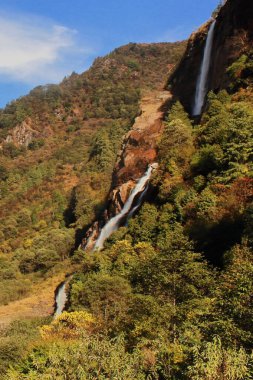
[170, 295]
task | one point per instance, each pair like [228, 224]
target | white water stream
[114, 223]
[201, 88]
[138, 204]
[60, 299]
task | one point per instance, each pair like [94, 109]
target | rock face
[25, 132]
[233, 36]
[140, 144]
[183, 81]
[119, 196]
[22, 134]
[139, 149]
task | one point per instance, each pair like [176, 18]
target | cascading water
[60, 299]
[138, 204]
[114, 223]
[201, 88]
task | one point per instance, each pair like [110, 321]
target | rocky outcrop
[233, 35]
[140, 144]
[139, 149]
[23, 133]
[119, 196]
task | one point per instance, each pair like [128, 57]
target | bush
[3, 173]
[36, 144]
[92, 358]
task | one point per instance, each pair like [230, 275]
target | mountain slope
[59, 145]
[170, 295]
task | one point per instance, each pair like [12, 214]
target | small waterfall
[60, 299]
[114, 223]
[201, 88]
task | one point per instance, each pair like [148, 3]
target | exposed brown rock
[140, 144]
[25, 132]
[91, 236]
[22, 134]
[119, 196]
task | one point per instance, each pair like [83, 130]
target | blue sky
[41, 41]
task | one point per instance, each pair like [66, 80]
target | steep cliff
[140, 143]
[233, 36]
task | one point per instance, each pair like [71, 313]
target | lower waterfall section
[114, 223]
[60, 299]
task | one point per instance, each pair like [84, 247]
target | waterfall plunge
[114, 223]
[201, 88]
[60, 299]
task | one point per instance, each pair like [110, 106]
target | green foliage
[235, 70]
[16, 340]
[214, 362]
[3, 173]
[36, 144]
[177, 112]
[206, 203]
[140, 290]
[45, 251]
[91, 358]
[240, 72]
[12, 289]
[10, 150]
[144, 227]
[176, 146]
[102, 151]
[107, 298]
[225, 139]
[207, 159]
[133, 65]
[235, 301]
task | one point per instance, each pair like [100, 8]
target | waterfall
[60, 299]
[114, 223]
[138, 204]
[201, 88]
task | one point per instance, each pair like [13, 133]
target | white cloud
[34, 50]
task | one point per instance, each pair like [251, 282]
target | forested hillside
[58, 148]
[57, 159]
[170, 294]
